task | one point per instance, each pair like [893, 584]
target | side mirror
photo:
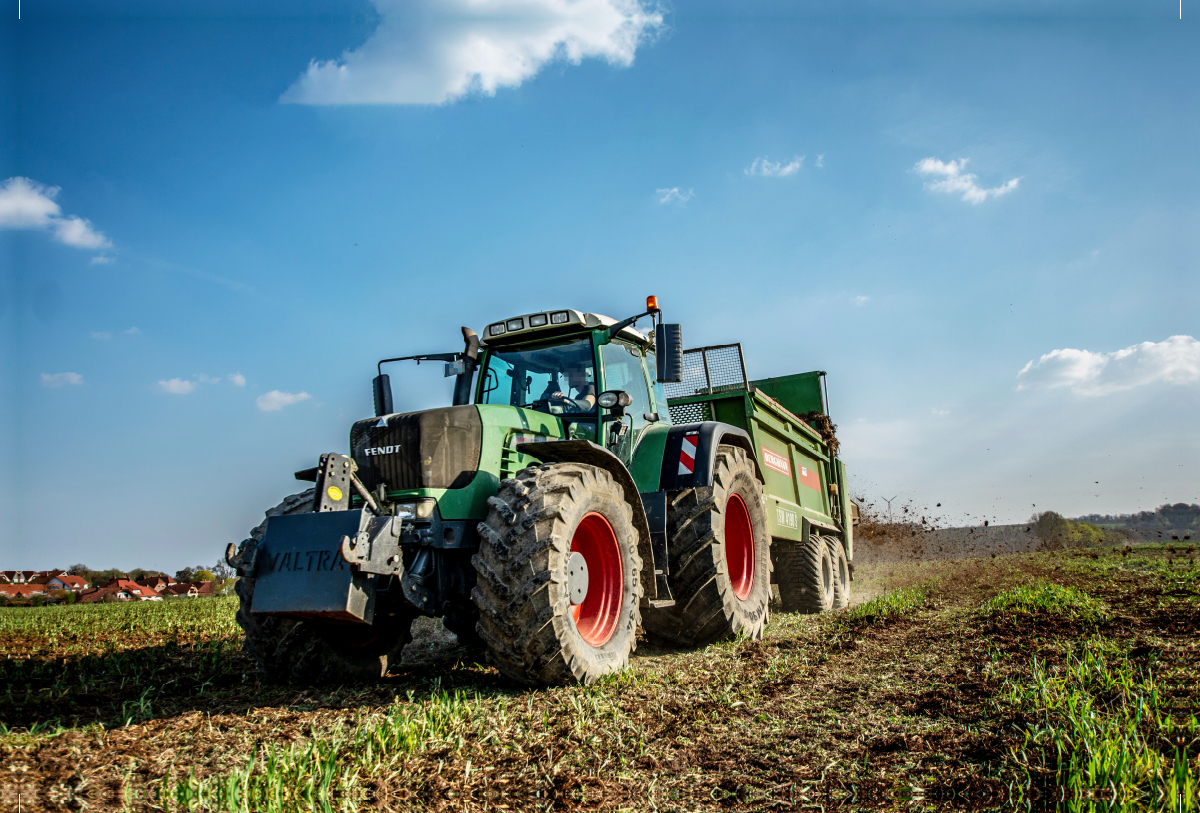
[615, 401]
[382, 387]
[668, 348]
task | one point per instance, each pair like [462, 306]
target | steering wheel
[568, 403]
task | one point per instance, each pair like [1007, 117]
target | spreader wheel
[841, 573]
[804, 572]
[559, 576]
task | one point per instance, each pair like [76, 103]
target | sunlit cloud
[436, 51]
[27, 204]
[177, 386]
[674, 195]
[954, 180]
[275, 400]
[774, 169]
[55, 380]
[1175, 361]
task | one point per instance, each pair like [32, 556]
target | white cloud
[954, 180]
[207, 379]
[861, 300]
[101, 260]
[101, 334]
[238, 379]
[1176, 361]
[75, 231]
[59, 379]
[275, 400]
[820, 160]
[674, 195]
[177, 386]
[133, 331]
[774, 169]
[436, 51]
[27, 204]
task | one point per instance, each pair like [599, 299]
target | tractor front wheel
[289, 650]
[559, 576]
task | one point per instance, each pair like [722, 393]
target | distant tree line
[1178, 518]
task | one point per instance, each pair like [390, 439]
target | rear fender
[584, 451]
[682, 468]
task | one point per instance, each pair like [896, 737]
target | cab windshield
[557, 379]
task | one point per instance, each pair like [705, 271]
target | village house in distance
[25, 587]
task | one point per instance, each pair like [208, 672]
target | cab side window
[623, 371]
[660, 397]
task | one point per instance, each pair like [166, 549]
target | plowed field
[957, 685]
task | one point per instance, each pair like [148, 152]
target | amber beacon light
[652, 303]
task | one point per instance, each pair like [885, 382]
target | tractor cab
[596, 375]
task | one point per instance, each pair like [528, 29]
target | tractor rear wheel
[841, 574]
[720, 559]
[559, 576]
[289, 650]
[804, 572]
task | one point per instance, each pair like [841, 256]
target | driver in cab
[577, 381]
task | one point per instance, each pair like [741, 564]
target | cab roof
[547, 324]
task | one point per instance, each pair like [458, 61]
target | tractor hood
[436, 448]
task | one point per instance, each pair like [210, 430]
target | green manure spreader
[588, 480]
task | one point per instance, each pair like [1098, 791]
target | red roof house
[156, 583]
[66, 581]
[120, 590]
[21, 591]
[182, 590]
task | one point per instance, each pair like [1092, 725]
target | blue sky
[980, 219]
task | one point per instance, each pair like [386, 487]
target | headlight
[515, 324]
[560, 318]
[537, 320]
[415, 510]
[496, 329]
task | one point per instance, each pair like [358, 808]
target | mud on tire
[805, 574]
[289, 650]
[526, 617]
[705, 581]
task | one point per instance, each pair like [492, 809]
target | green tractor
[554, 510]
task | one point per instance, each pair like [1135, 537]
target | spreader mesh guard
[708, 370]
[690, 413]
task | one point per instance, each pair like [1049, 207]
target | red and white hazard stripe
[687, 455]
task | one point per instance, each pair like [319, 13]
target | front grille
[437, 448]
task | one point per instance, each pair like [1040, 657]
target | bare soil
[906, 712]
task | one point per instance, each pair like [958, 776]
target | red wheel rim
[739, 547]
[596, 618]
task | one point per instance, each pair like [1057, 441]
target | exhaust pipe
[470, 361]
